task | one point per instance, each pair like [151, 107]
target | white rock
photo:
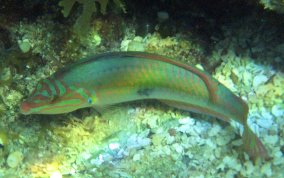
[247, 78]
[231, 162]
[136, 46]
[145, 142]
[264, 122]
[55, 174]
[230, 174]
[238, 142]
[278, 154]
[144, 133]
[277, 111]
[152, 122]
[114, 146]
[86, 155]
[187, 120]
[221, 166]
[258, 80]
[124, 44]
[199, 66]
[266, 114]
[238, 128]
[249, 168]
[266, 169]
[97, 161]
[138, 39]
[214, 131]
[24, 45]
[178, 148]
[253, 126]
[217, 153]
[223, 140]
[166, 150]
[14, 159]
[136, 157]
[200, 141]
[170, 139]
[278, 161]
[271, 139]
[210, 144]
[185, 129]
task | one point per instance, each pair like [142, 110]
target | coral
[36, 38]
[81, 25]
[180, 49]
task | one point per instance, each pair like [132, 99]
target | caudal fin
[253, 146]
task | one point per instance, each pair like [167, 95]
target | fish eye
[90, 101]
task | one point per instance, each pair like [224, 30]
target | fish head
[55, 97]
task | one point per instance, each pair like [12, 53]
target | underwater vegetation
[275, 5]
[82, 24]
[238, 42]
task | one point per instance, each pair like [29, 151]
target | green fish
[112, 78]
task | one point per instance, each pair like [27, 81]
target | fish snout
[25, 107]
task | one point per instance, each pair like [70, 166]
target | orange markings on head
[24, 107]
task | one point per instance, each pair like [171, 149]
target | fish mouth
[25, 108]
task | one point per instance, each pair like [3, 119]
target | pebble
[210, 144]
[14, 159]
[166, 150]
[264, 122]
[278, 161]
[136, 46]
[186, 120]
[136, 157]
[114, 146]
[277, 111]
[214, 131]
[258, 80]
[266, 169]
[178, 148]
[247, 78]
[24, 45]
[56, 174]
[232, 163]
[223, 140]
[153, 122]
[186, 129]
[271, 139]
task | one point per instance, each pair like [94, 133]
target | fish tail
[253, 146]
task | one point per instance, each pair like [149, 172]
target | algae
[82, 24]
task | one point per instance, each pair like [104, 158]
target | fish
[117, 77]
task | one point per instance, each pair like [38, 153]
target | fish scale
[112, 78]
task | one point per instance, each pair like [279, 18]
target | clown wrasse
[113, 78]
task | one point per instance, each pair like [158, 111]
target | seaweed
[82, 24]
